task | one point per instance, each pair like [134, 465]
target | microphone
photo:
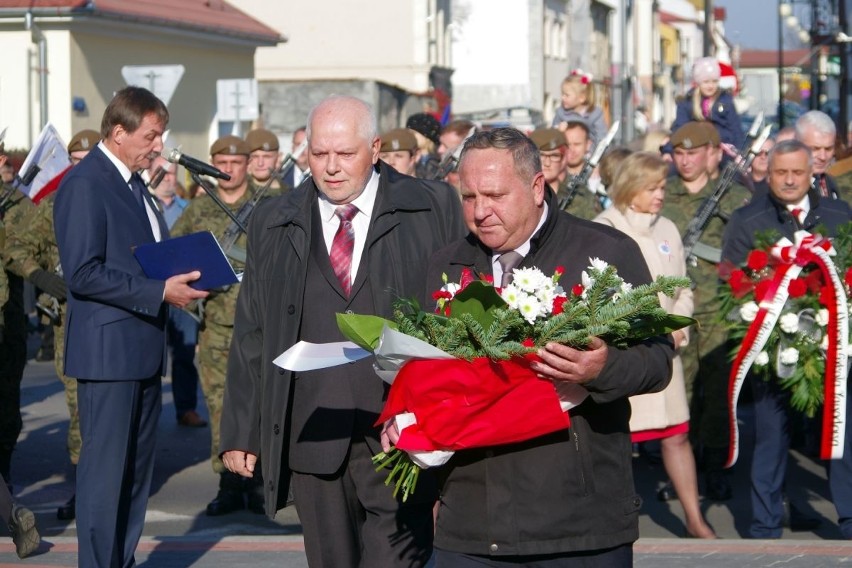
[194, 165]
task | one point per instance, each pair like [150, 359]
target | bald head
[343, 147]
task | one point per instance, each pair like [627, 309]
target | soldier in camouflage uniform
[230, 154]
[578, 144]
[553, 147]
[264, 158]
[36, 252]
[13, 347]
[705, 359]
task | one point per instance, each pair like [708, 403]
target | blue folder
[196, 251]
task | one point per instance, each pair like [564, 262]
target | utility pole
[708, 28]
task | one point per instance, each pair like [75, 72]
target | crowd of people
[357, 221]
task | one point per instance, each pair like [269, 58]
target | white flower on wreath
[598, 264]
[822, 317]
[789, 356]
[748, 311]
[789, 322]
[762, 359]
[824, 343]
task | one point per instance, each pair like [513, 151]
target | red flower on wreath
[558, 304]
[757, 260]
[577, 289]
[797, 288]
[740, 283]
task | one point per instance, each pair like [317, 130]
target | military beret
[262, 139]
[232, 145]
[425, 124]
[398, 139]
[548, 138]
[691, 135]
[712, 132]
[84, 141]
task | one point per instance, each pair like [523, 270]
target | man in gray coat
[356, 237]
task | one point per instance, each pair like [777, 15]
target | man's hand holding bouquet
[464, 376]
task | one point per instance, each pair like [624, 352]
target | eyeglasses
[762, 154]
[547, 158]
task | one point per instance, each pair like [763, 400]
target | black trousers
[351, 519]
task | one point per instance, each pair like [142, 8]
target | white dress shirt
[523, 250]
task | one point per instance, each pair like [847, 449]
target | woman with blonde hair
[637, 193]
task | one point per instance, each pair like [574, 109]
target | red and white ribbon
[792, 258]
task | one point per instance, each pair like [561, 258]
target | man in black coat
[356, 237]
[567, 498]
[791, 205]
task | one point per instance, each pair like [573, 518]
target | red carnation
[797, 288]
[560, 270]
[528, 342]
[757, 260]
[814, 281]
[442, 295]
[558, 303]
[760, 290]
[488, 278]
[577, 290]
[466, 278]
[740, 283]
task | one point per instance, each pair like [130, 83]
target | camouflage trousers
[214, 341]
[74, 440]
[705, 371]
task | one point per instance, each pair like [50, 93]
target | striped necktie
[343, 245]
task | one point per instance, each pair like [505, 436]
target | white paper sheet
[306, 356]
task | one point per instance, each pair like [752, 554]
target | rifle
[451, 159]
[238, 225]
[691, 247]
[7, 196]
[588, 167]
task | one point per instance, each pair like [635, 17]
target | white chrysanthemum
[789, 356]
[626, 287]
[748, 311]
[512, 296]
[528, 279]
[598, 264]
[530, 308]
[545, 296]
[762, 359]
[824, 343]
[822, 317]
[789, 322]
[586, 280]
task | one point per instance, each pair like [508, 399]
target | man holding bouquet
[567, 498]
[356, 237]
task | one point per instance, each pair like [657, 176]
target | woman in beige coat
[637, 194]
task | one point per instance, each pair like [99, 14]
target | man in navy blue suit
[115, 325]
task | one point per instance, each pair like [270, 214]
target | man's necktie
[343, 245]
[799, 215]
[823, 185]
[137, 186]
[508, 262]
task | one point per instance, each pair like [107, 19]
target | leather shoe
[68, 511]
[717, 487]
[226, 501]
[24, 532]
[192, 419]
[666, 492]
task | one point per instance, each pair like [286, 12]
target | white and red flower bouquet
[788, 311]
[460, 376]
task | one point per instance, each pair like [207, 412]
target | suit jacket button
[281, 371]
[493, 548]
[637, 502]
[276, 430]
[291, 309]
